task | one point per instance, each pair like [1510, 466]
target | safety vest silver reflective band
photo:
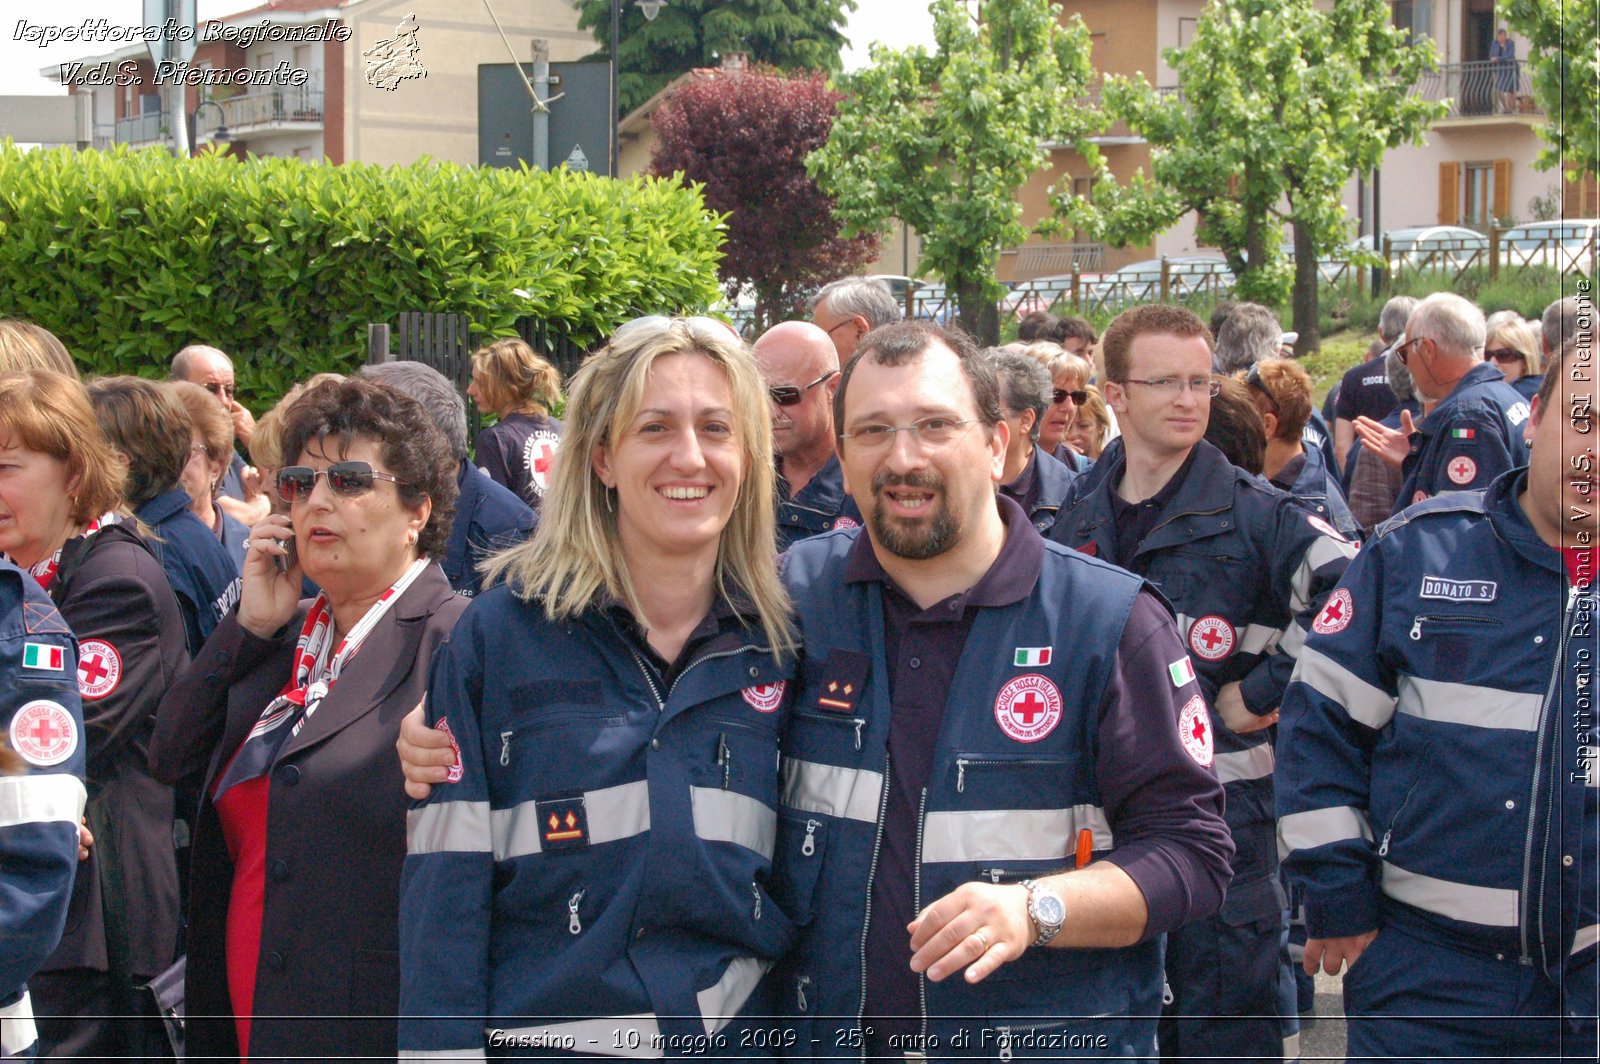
[1255, 639]
[850, 793]
[1011, 834]
[728, 816]
[1586, 937]
[454, 827]
[1469, 704]
[1589, 758]
[1489, 906]
[1294, 639]
[42, 799]
[1323, 550]
[442, 1054]
[17, 1031]
[1365, 703]
[721, 1002]
[1253, 764]
[1319, 827]
[612, 812]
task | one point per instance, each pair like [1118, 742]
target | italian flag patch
[1181, 671]
[1463, 434]
[1031, 656]
[43, 656]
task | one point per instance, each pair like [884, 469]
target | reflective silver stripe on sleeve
[1185, 622]
[1259, 639]
[728, 816]
[1464, 703]
[1319, 827]
[57, 797]
[604, 1036]
[851, 793]
[1011, 834]
[1323, 550]
[1489, 906]
[443, 1054]
[722, 1001]
[1361, 700]
[1253, 764]
[1589, 758]
[1586, 937]
[453, 827]
[17, 1031]
[1294, 639]
[611, 813]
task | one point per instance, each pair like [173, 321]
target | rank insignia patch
[844, 674]
[563, 824]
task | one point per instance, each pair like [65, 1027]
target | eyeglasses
[933, 432]
[1403, 351]
[790, 394]
[349, 479]
[1079, 396]
[1172, 387]
[217, 388]
[1503, 354]
[837, 326]
[1252, 378]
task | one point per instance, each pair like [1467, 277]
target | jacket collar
[1511, 524]
[1482, 373]
[823, 492]
[163, 506]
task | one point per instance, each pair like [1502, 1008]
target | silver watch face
[1048, 910]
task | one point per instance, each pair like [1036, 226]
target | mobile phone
[287, 561]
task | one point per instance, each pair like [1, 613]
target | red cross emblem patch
[1194, 729]
[1028, 708]
[1461, 471]
[765, 697]
[1211, 638]
[1335, 614]
[44, 733]
[540, 453]
[846, 522]
[454, 773]
[99, 669]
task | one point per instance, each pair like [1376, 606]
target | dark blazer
[112, 592]
[336, 833]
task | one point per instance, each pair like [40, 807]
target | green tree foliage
[1279, 104]
[944, 141]
[743, 137]
[786, 34]
[127, 256]
[1564, 64]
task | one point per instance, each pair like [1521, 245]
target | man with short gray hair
[1249, 334]
[851, 307]
[489, 517]
[1475, 432]
[1564, 319]
[1037, 481]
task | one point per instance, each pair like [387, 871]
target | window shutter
[1502, 189]
[1449, 193]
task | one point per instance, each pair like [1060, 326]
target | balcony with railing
[147, 128]
[1481, 93]
[285, 108]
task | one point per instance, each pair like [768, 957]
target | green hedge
[127, 256]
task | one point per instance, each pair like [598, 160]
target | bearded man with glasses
[801, 368]
[1246, 568]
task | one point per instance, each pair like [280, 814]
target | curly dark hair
[413, 447]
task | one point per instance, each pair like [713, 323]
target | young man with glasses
[1246, 568]
[1476, 432]
[802, 372]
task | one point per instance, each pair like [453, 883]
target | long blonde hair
[576, 552]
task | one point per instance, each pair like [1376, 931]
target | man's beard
[929, 538]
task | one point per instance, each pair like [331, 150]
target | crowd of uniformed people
[855, 692]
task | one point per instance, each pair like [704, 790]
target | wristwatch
[1045, 909]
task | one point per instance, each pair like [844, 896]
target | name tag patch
[1437, 587]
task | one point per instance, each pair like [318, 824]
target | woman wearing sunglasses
[1069, 375]
[291, 708]
[592, 872]
[1513, 349]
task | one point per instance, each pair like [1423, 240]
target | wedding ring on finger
[983, 941]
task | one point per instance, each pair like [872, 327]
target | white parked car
[1568, 245]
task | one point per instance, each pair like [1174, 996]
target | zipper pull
[1383, 847]
[961, 774]
[575, 925]
[809, 845]
[1416, 629]
[994, 874]
[757, 892]
[860, 723]
[724, 758]
[800, 985]
[505, 748]
[1005, 1042]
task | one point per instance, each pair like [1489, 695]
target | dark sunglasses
[790, 394]
[1079, 396]
[349, 479]
[1403, 352]
[1502, 354]
[219, 389]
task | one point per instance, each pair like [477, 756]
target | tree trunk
[977, 315]
[1305, 293]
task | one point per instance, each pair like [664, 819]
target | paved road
[1323, 1037]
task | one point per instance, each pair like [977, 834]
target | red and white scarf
[317, 665]
[45, 571]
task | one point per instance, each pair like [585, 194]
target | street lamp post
[220, 133]
[651, 9]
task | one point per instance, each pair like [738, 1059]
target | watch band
[1043, 932]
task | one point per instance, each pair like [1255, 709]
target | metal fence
[1480, 88]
